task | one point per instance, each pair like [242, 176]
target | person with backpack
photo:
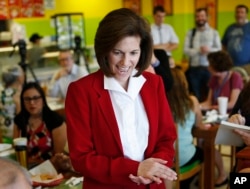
[200, 41]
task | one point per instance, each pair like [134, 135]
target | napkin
[74, 181]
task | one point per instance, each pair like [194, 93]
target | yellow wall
[229, 5]
[91, 8]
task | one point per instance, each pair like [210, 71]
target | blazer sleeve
[163, 132]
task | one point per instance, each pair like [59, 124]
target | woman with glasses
[44, 128]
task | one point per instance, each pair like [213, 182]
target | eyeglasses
[29, 99]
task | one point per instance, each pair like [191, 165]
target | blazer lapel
[149, 104]
[105, 104]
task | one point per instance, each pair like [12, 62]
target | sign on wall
[134, 5]
[10, 9]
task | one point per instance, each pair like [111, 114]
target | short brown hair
[242, 7]
[158, 8]
[114, 27]
[201, 9]
[220, 61]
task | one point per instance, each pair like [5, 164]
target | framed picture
[134, 5]
[167, 4]
[211, 6]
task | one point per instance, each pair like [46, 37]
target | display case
[69, 27]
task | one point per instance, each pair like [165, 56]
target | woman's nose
[125, 60]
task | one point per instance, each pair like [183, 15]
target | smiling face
[201, 18]
[33, 101]
[124, 58]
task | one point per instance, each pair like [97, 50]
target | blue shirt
[237, 41]
[186, 146]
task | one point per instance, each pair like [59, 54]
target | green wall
[180, 22]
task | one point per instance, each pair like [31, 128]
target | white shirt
[130, 115]
[163, 34]
[58, 88]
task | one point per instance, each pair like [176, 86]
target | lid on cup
[22, 141]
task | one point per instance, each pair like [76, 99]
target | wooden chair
[243, 159]
[189, 171]
[242, 71]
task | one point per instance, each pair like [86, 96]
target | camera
[78, 41]
[22, 50]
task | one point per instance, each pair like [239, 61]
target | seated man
[62, 78]
[13, 175]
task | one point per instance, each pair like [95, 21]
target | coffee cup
[222, 105]
[20, 145]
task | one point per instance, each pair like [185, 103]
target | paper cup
[22, 141]
[222, 105]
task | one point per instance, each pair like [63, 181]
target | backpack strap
[192, 37]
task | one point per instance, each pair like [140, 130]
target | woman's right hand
[238, 119]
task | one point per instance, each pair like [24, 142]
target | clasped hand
[153, 170]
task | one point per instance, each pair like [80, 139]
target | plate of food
[4, 147]
[45, 175]
[47, 180]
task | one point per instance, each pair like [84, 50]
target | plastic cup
[20, 145]
[222, 105]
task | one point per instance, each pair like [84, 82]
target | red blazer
[93, 135]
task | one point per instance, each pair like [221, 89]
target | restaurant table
[208, 137]
[10, 154]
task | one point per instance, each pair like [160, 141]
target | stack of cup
[222, 105]
[20, 145]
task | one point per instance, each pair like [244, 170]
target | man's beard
[201, 24]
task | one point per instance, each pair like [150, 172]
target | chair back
[242, 72]
[243, 159]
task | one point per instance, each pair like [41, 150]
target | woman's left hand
[244, 135]
[140, 180]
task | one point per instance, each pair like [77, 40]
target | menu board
[10, 9]
[134, 5]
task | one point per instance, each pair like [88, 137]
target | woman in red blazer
[120, 128]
